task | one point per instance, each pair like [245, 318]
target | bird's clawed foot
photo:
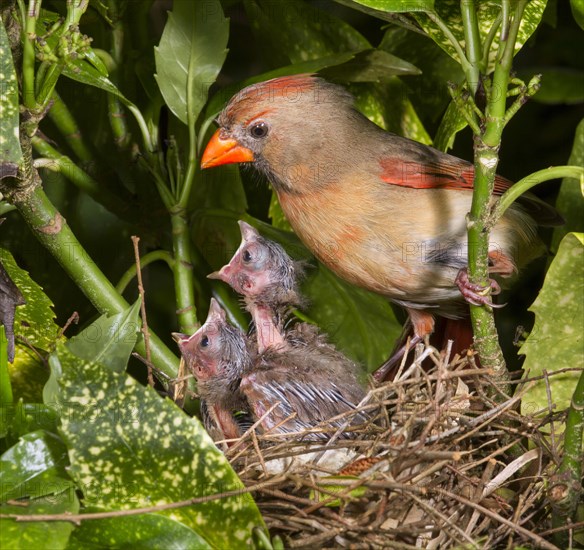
[477, 295]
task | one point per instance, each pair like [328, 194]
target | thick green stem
[473, 43]
[54, 233]
[117, 115]
[183, 272]
[67, 125]
[486, 160]
[28, 54]
[566, 489]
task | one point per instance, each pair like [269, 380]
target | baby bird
[265, 275]
[315, 380]
[217, 356]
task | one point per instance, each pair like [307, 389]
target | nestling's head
[261, 270]
[217, 350]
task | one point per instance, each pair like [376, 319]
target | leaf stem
[489, 41]
[438, 21]
[523, 185]
[67, 125]
[145, 260]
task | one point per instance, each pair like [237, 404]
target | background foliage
[120, 136]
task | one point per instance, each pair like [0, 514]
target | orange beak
[224, 151]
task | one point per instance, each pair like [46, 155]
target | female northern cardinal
[383, 212]
[217, 356]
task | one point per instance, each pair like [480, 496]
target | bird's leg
[479, 295]
[423, 325]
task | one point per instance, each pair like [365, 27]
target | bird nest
[444, 463]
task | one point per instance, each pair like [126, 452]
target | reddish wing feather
[434, 176]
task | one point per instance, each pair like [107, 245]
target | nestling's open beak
[224, 151]
[179, 337]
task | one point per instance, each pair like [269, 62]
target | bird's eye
[204, 341]
[259, 129]
[246, 255]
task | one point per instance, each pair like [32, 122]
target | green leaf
[557, 338]
[391, 6]
[387, 104]
[570, 201]
[276, 214]
[129, 448]
[452, 122]
[429, 93]
[82, 71]
[6, 395]
[146, 531]
[34, 467]
[109, 340]
[578, 11]
[42, 534]
[298, 32]
[370, 66]
[487, 12]
[35, 320]
[558, 84]
[10, 152]
[28, 374]
[190, 55]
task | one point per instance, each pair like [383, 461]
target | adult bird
[383, 212]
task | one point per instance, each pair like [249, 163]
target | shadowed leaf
[189, 57]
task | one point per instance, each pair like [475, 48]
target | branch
[523, 185]
[473, 43]
[78, 518]
[486, 160]
[54, 233]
